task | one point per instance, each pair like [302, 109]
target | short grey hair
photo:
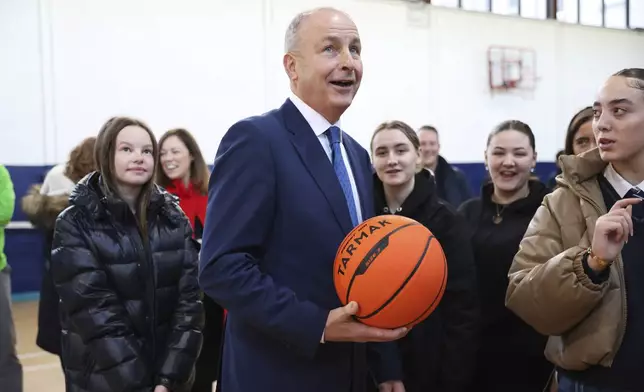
[291, 37]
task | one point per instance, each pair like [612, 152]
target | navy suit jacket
[276, 216]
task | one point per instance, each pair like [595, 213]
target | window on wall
[567, 11]
[475, 5]
[590, 12]
[537, 9]
[636, 14]
[617, 14]
[527, 8]
[446, 3]
[505, 7]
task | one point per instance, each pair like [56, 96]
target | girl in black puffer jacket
[125, 266]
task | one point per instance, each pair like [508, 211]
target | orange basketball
[394, 268]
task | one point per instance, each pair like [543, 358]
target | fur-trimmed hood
[42, 210]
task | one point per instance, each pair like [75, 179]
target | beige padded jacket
[548, 287]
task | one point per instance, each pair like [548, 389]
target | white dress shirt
[618, 182]
[319, 125]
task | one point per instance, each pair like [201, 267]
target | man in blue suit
[286, 188]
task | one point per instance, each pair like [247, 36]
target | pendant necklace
[387, 210]
[498, 218]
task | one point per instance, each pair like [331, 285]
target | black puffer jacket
[131, 310]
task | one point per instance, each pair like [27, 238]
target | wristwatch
[601, 262]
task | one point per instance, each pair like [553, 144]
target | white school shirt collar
[618, 182]
[316, 121]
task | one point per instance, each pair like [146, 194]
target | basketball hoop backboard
[511, 69]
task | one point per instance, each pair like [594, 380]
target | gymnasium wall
[203, 64]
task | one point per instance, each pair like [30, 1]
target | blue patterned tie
[333, 134]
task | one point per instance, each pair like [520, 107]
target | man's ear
[289, 66]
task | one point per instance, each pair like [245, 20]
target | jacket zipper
[144, 249]
[622, 290]
[148, 258]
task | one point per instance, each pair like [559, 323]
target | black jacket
[508, 345]
[438, 354]
[42, 211]
[451, 183]
[131, 310]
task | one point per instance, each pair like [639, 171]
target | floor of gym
[42, 371]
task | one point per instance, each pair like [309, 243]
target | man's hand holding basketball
[341, 327]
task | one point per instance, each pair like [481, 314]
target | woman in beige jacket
[583, 252]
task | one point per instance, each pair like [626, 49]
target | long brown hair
[81, 160]
[199, 172]
[104, 154]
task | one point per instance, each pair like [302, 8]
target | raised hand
[612, 231]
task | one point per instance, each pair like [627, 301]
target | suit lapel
[317, 162]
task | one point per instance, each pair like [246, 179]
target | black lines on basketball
[394, 268]
[371, 256]
[404, 283]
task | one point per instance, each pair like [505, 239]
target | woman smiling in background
[184, 173]
[511, 353]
